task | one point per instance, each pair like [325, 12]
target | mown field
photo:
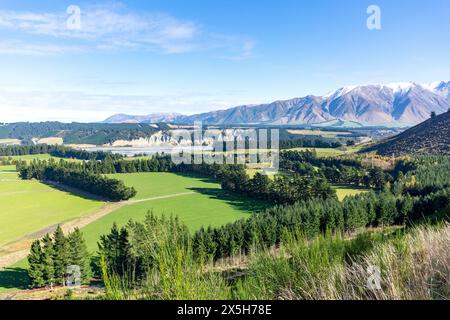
[196, 201]
[29, 206]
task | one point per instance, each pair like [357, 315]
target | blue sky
[192, 56]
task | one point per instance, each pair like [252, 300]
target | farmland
[29, 206]
[196, 201]
[33, 206]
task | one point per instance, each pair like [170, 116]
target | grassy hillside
[429, 137]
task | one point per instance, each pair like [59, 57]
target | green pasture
[344, 191]
[29, 206]
[196, 201]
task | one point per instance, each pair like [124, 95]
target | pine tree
[60, 256]
[78, 254]
[48, 272]
[35, 270]
[126, 256]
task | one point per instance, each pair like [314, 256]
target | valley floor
[34, 209]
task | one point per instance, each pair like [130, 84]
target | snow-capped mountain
[395, 104]
[442, 88]
[392, 104]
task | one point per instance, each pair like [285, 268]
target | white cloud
[115, 27]
[77, 106]
[23, 48]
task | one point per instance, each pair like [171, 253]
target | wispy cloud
[23, 48]
[114, 27]
[85, 107]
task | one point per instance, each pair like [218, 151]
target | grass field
[29, 206]
[8, 173]
[51, 141]
[207, 205]
[160, 184]
[343, 191]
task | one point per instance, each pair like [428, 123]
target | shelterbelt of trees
[75, 176]
[57, 151]
[310, 143]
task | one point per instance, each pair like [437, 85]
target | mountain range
[151, 118]
[396, 104]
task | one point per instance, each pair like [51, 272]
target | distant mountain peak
[393, 104]
[151, 118]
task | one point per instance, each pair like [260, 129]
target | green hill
[429, 137]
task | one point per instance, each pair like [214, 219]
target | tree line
[73, 176]
[310, 143]
[335, 170]
[57, 151]
[418, 194]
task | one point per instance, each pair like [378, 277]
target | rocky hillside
[429, 137]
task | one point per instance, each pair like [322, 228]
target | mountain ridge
[395, 104]
[150, 118]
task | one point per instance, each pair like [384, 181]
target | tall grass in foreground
[172, 272]
[413, 266]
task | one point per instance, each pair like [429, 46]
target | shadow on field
[202, 178]
[14, 278]
[74, 191]
[239, 202]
